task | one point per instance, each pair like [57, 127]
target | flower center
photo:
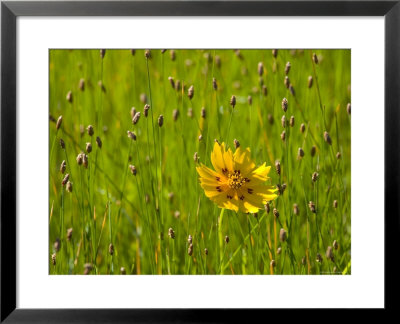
[235, 180]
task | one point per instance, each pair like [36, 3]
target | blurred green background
[120, 222]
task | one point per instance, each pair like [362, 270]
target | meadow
[128, 128]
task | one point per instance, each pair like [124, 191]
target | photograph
[199, 161]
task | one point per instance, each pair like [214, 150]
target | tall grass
[121, 220]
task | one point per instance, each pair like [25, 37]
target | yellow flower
[236, 183]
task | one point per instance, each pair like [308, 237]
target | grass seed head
[191, 92]
[111, 249]
[284, 104]
[233, 101]
[226, 239]
[327, 138]
[286, 82]
[287, 68]
[267, 208]
[160, 120]
[175, 114]
[214, 83]
[302, 128]
[206, 251]
[79, 159]
[131, 135]
[62, 143]
[69, 97]
[147, 54]
[69, 233]
[143, 98]
[172, 82]
[311, 205]
[190, 249]
[303, 261]
[65, 180]
[136, 118]
[163, 51]
[172, 55]
[190, 112]
[283, 136]
[53, 259]
[329, 254]
[85, 160]
[196, 157]
[178, 85]
[81, 130]
[133, 112]
[59, 122]
[190, 239]
[313, 150]
[335, 245]
[264, 90]
[272, 263]
[99, 142]
[275, 212]
[82, 84]
[319, 258]
[133, 52]
[133, 169]
[88, 268]
[102, 53]
[278, 167]
[338, 155]
[69, 186]
[296, 209]
[291, 121]
[250, 100]
[90, 130]
[300, 153]
[260, 69]
[283, 121]
[348, 108]
[315, 58]
[203, 112]
[279, 250]
[335, 203]
[291, 89]
[63, 166]
[57, 245]
[146, 109]
[101, 86]
[274, 53]
[270, 119]
[218, 61]
[314, 176]
[282, 235]
[177, 214]
[171, 233]
[236, 143]
[88, 147]
[122, 271]
[200, 137]
[310, 81]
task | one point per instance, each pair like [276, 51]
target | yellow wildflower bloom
[236, 183]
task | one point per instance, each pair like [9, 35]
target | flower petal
[207, 173]
[242, 161]
[217, 157]
[266, 192]
[228, 158]
[261, 173]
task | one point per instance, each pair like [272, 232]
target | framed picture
[159, 158]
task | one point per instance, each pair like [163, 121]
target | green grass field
[130, 205]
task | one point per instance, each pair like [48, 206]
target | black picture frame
[10, 10]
